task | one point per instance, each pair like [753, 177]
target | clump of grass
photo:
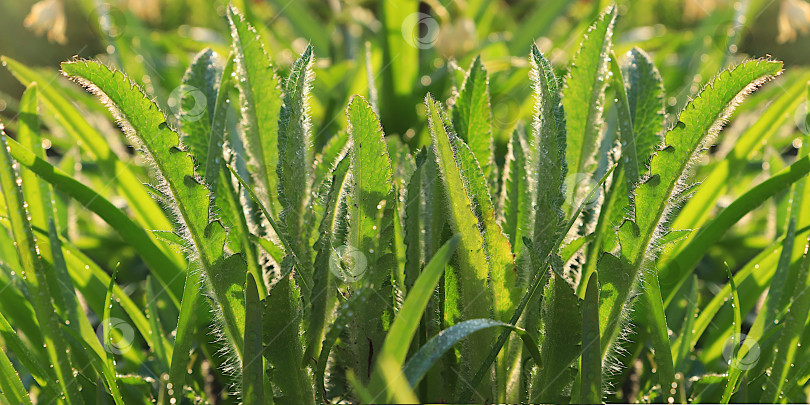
[368, 271]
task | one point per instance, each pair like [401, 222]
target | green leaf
[681, 346]
[161, 347]
[402, 331]
[538, 280]
[13, 390]
[37, 193]
[108, 362]
[332, 232]
[549, 135]
[591, 370]
[294, 160]
[147, 212]
[659, 332]
[282, 344]
[31, 362]
[369, 247]
[206, 132]
[516, 196]
[734, 370]
[761, 133]
[186, 323]
[787, 349]
[656, 194]
[419, 364]
[561, 313]
[260, 97]
[472, 117]
[145, 121]
[473, 261]
[371, 184]
[33, 268]
[394, 380]
[680, 266]
[197, 101]
[252, 363]
[161, 264]
[584, 94]
[414, 219]
[502, 272]
[644, 90]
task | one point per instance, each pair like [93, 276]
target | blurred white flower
[48, 15]
[148, 10]
[794, 15]
[456, 38]
[697, 9]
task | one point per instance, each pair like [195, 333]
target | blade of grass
[787, 347]
[12, 387]
[162, 265]
[399, 336]
[147, 212]
[679, 268]
[34, 274]
[419, 364]
[734, 370]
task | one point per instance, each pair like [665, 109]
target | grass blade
[34, 274]
[678, 269]
[162, 265]
[659, 332]
[12, 388]
[734, 370]
[147, 212]
[402, 331]
[29, 360]
[787, 348]
[419, 364]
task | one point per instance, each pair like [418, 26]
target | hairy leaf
[260, 97]
[143, 120]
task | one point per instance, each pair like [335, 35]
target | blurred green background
[153, 41]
